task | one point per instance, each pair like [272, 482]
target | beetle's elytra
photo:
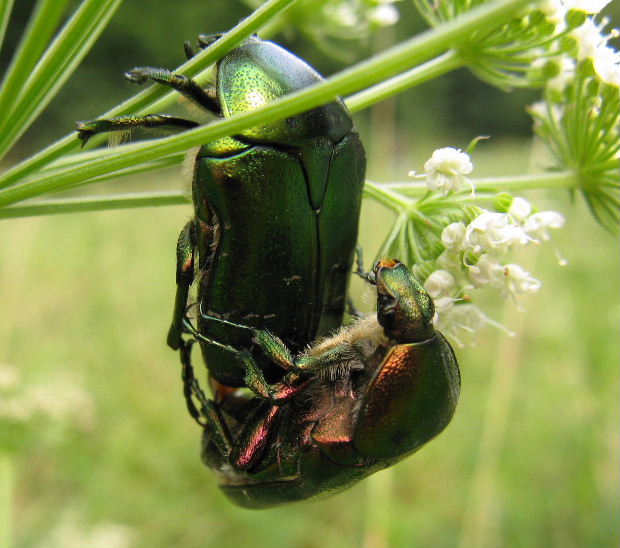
[268, 252]
[276, 207]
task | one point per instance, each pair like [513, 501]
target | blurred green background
[105, 453]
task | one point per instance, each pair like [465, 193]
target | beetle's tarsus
[188, 49]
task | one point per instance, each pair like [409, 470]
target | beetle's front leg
[277, 393]
[184, 85]
[186, 246]
[337, 356]
[164, 122]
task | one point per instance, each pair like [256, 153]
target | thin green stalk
[380, 193]
[510, 183]
[73, 159]
[6, 499]
[390, 195]
[57, 64]
[379, 511]
[96, 203]
[6, 6]
[377, 93]
[43, 22]
[434, 68]
[156, 96]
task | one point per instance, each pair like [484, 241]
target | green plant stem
[96, 203]
[385, 196]
[5, 12]
[56, 65]
[378, 68]
[392, 195]
[154, 97]
[6, 499]
[512, 183]
[434, 68]
[43, 22]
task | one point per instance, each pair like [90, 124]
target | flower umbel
[458, 248]
[580, 127]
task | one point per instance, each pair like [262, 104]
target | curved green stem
[380, 193]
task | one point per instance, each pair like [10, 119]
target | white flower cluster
[589, 37]
[473, 260]
[446, 170]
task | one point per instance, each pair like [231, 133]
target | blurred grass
[529, 460]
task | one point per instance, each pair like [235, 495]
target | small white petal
[536, 225]
[492, 231]
[440, 283]
[452, 236]
[519, 209]
[589, 6]
[487, 271]
[519, 280]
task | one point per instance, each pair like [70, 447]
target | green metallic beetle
[349, 406]
[276, 208]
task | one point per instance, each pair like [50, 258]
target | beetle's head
[404, 308]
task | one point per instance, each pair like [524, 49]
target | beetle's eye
[386, 305]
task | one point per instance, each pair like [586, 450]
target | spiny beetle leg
[184, 85]
[189, 328]
[191, 387]
[125, 123]
[277, 393]
[271, 345]
[217, 425]
[186, 245]
[367, 275]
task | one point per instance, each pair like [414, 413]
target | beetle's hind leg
[184, 85]
[208, 416]
[125, 123]
[186, 245]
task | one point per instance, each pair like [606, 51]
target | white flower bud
[519, 209]
[439, 283]
[452, 236]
